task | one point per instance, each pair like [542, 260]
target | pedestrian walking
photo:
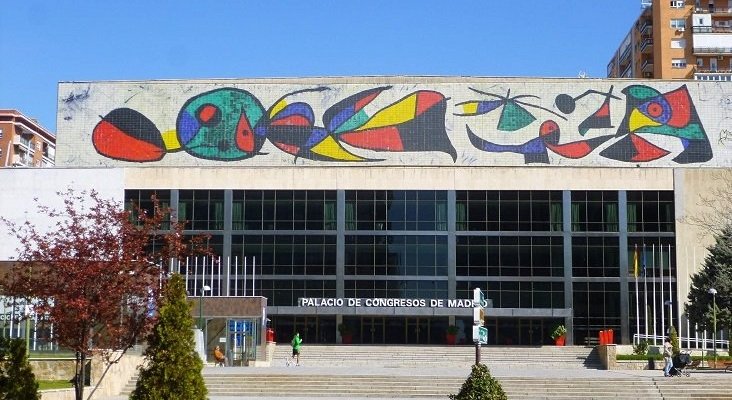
[667, 353]
[296, 344]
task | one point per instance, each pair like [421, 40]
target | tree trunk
[79, 378]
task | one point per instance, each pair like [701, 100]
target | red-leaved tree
[96, 274]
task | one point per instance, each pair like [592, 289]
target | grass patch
[638, 357]
[57, 384]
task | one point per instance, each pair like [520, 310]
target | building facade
[381, 203]
[677, 39]
[24, 142]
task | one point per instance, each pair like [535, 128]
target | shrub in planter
[452, 332]
[558, 335]
[480, 385]
[641, 348]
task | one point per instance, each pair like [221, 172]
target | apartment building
[24, 142]
[677, 39]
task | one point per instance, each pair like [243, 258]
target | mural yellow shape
[329, 147]
[639, 120]
[170, 140]
[397, 113]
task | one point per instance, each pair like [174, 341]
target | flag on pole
[635, 262]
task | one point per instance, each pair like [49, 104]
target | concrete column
[228, 223]
[623, 254]
[451, 248]
[567, 248]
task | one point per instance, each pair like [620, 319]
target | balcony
[646, 45]
[23, 141]
[647, 65]
[712, 29]
[712, 50]
[709, 75]
[22, 160]
[646, 29]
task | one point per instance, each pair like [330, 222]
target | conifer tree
[716, 272]
[173, 369]
[17, 380]
[480, 385]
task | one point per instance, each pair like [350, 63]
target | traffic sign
[480, 334]
[479, 299]
[478, 316]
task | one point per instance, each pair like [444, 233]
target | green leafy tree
[675, 348]
[17, 380]
[715, 273]
[480, 385]
[173, 369]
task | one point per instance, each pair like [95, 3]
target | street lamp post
[713, 292]
[205, 288]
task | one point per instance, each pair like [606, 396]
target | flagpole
[670, 293]
[663, 295]
[637, 305]
[645, 290]
[653, 281]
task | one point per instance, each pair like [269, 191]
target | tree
[173, 368]
[715, 214]
[17, 380]
[674, 336]
[96, 274]
[716, 272]
[480, 385]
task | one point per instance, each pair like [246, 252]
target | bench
[591, 341]
[728, 366]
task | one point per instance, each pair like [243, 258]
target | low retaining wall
[112, 384]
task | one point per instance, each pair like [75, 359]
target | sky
[47, 42]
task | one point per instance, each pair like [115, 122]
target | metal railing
[713, 50]
[688, 343]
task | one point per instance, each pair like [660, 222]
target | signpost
[480, 333]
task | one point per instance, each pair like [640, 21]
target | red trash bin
[610, 337]
[602, 338]
[270, 335]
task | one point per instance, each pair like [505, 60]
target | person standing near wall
[667, 352]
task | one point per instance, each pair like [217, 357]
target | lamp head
[712, 291]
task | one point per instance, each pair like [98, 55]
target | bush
[17, 380]
[480, 385]
[641, 348]
[675, 348]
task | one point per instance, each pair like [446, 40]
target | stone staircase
[708, 387]
[441, 356]
[713, 386]
[579, 388]
[430, 372]
[348, 386]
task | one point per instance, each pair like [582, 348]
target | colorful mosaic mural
[488, 122]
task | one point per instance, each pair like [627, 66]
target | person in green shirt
[296, 343]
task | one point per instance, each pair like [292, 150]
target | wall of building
[399, 121]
